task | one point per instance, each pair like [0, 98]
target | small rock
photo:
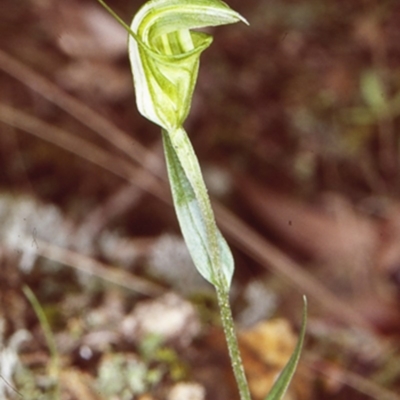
[168, 316]
[187, 391]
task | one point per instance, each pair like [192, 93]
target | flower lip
[207, 40]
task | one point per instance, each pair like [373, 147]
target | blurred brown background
[295, 120]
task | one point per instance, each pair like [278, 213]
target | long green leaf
[280, 386]
[192, 223]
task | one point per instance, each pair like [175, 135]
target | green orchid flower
[165, 53]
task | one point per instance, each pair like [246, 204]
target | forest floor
[295, 120]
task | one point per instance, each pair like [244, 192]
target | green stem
[232, 343]
[191, 167]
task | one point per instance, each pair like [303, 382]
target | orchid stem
[232, 343]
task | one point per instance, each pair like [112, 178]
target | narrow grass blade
[279, 389]
[54, 369]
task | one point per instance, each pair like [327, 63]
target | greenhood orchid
[164, 52]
